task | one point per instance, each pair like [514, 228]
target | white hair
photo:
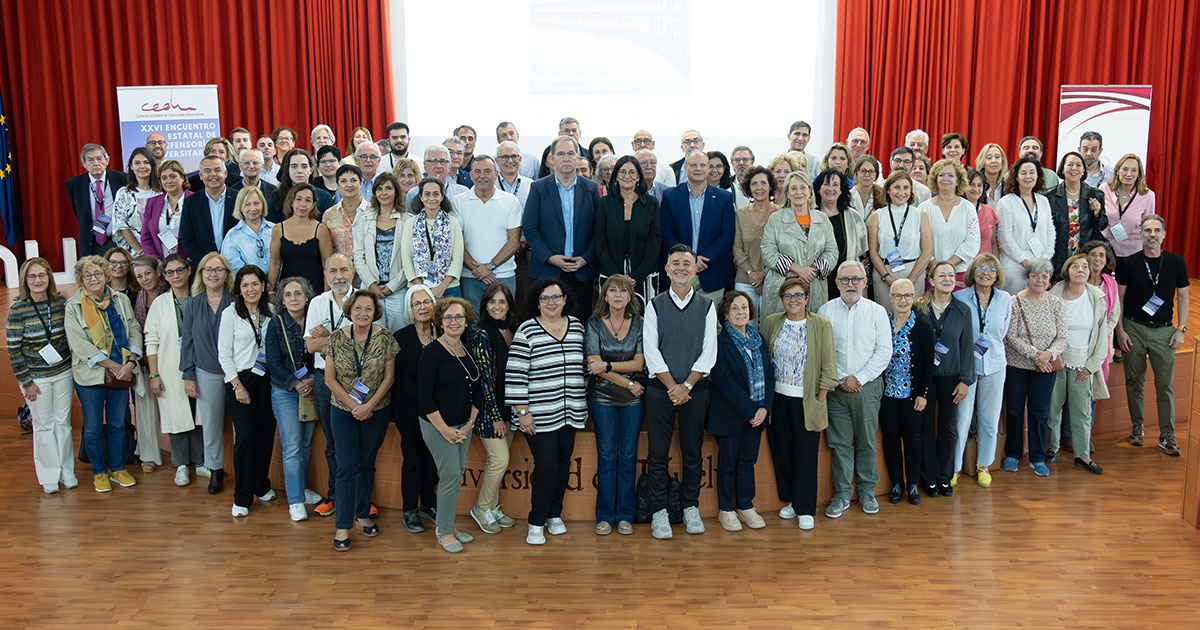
[851, 263]
[247, 152]
[366, 144]
[326, 128]
[436, 148]
[452, 140]
[852, 131]
[916, 134]
[508, 143]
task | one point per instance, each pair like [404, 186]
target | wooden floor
[1072, 550]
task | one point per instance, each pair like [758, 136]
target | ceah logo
[166, 106]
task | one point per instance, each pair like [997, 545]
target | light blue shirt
[998, 317]
[216, 209]
[367, 186]
[1099, 177]
[566, 197]
[697, 206]
[243, 247]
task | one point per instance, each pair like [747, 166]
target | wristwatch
[522, 412]
[491, 266]
[630, 385]
[687, 385]
[1183, 329]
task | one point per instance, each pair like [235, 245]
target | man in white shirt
[859, 142]
[649, 163]
[325, 317]
[437, 164]
[642, 140]
[508, 161]
[397, 142]
[491, 226]
[507, 132]
[366, 157]
[862, 338]
[798, 136]
[1091, 145]
[902, 160]
[678, 361]
[270, 170]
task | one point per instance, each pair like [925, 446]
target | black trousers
[900, 423]
[794, 454]
[418, 472]
[939, 433]
[323, 399]
[660, 427]
[551, 452]
[253, 438]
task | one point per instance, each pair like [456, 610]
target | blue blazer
[717, 228]
[729, 405]
[546, 233]
[196, 228]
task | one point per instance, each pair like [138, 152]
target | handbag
[1056, 363]
[112, 382]
[308, 406]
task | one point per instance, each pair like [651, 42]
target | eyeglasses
[118, 263]
[851, 280]
[94, 275]
[693, 142]
[454, 318]
[368, 156]
[550, 299]
[259, 247]
[213, 271]
[903, 296]
[175, 272]
[36, 276]
[508, 157]
[437, 162]
[426, 303]
[155, 143]
[642, 142]
[743, 160]
[648, 162]
[791, 297]
[868, 171]
[985, 270]
[1040, 275]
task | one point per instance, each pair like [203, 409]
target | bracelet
[154, 375]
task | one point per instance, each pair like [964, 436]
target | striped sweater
[27, 334]
[548, 376]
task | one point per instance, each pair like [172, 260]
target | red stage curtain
[286, 62]
[991, 70]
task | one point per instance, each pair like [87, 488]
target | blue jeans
[736, 456]
[617, 430]
[358, 444]
[296, 439]
[105, 441]
[472, 289]
[1027, 389]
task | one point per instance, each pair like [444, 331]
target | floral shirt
[897, 378]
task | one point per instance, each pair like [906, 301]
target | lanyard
[892, 218]
[515, 188]
[428, 236]
[336, 324]
[1032, 213]
[1154, 277]
[257, 317]
[1121, 211]
[358, 362]
[983, 311]
[49, 315]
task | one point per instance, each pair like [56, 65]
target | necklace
[470, 359]
[616, 333]
[939, 309]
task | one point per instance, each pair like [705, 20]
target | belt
[1150, 324]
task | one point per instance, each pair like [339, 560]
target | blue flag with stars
[8, 186]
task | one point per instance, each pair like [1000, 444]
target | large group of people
[470, 297]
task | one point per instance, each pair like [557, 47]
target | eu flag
[8, 187]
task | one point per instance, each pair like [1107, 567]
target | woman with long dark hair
[832, 188]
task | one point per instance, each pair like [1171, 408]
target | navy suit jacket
[196, 228]
[546, 233]
[717, 227]
[729, 404]
[79, 194]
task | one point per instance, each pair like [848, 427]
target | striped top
[27, 335]
[548, 376]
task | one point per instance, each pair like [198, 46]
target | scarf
[431, 247]
[104, 326]
[749, 346]
[479, 347]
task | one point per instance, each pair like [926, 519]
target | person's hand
[1176, 340]
[679, 394]
[189, 388]
[526, 424]
[125, 372]
[500, 429]
[241, 395]
[452, 436]
[156, 386]
[701, 263]
[560, 261]
[374, 289]
[1042, 356]
[760, 417]
[439, 291]
[889, 279]
[960, 392]
[805, 273]
[821, 394]
[305, 387]
[1025, 263]
[1124, 342]
[596, 365]
[1095, 206]
[919, 403]
[1084, 375]
[318, 332]
[361, 412]
[31, 391]
[385, 291]
[851, 385]
[638, 389]
[756, 280]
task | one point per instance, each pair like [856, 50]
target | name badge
[359, 392]
[301, 374]
[981, 347]
[169, 240]
[50, 355]
[1118, 232]
[895, 262]
[260, 364]
[1152, 305]
[1035, 246]
[100, 229]
[939, 352]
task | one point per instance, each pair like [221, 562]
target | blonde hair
[849, 158]
[51, 289]
[198, 282]
[982, 156]
[960, 175]
[91, 261]
[244, 196]
[990, 259]
[924, 301]
[1139, 185]
[802, 176]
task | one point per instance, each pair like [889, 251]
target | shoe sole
[834, 515]
[103, 490]
[123, 485]
[481, 525]
[1174, 453]
[868, 511]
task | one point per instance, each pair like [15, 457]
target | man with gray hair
[569, 126]
[250, 161]
[437, 164]
[690, 141]
[321, 136]
[1091, 145]
[643, 139]
[507, 132]
[367, 157]
[742, 158]
[649, 164]
[511, 179]
[457, 152]
[92, 195]
[1150, 283]
[859, 142]
[918, 141]
[862, 338]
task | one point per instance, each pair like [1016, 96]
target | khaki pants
[493, 472]
[1067, 388]
[853, 421]
[1150, 342]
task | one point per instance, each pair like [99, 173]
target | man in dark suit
[558, 223]
[204, 211]
[91, 195]
[251, 163]
[701, 217]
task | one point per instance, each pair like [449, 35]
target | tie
[101, 219]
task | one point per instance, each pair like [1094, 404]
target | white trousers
[53, 448]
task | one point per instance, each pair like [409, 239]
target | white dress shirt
[862, 338]
[320, 311]
[237, 344]
[655, 364]
[956, 236]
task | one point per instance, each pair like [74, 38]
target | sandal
[625, 527]
[370, 531]
[147, 467]
[603, 528]
[341, 545]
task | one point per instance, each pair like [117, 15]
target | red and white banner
[1119, 113]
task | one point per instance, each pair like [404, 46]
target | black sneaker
[428, 513]
[1137, 435]
[412, 522]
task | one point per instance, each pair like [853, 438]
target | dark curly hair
[534, 292]
[744, 182]
[843, 200]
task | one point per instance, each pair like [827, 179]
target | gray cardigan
[198, 342]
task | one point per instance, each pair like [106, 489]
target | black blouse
[447, 384]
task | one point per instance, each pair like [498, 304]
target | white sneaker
[311, 498]
[50, 488]
[240, 511]
[807, 522]
[203, 471]
[298, 512]
[787, 512]
[660, 525]
[535, 535]
[71, 483]
[555, 526]
[691, 519]
[268, 496]
[181, 476]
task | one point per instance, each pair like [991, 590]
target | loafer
[787, 512]
[946, 490]
[216, 481]
[341, 545]
[751, 518]
[412, 522]
[1051, 456]
[729, 521]
[536, 536]
[897, 494]
[932, 490]
[555, 526]
[914, 496]
[1040, 469]
[806, 522]
[1091, 466]
[453, 546]
[1010, 464]
[463, 537]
